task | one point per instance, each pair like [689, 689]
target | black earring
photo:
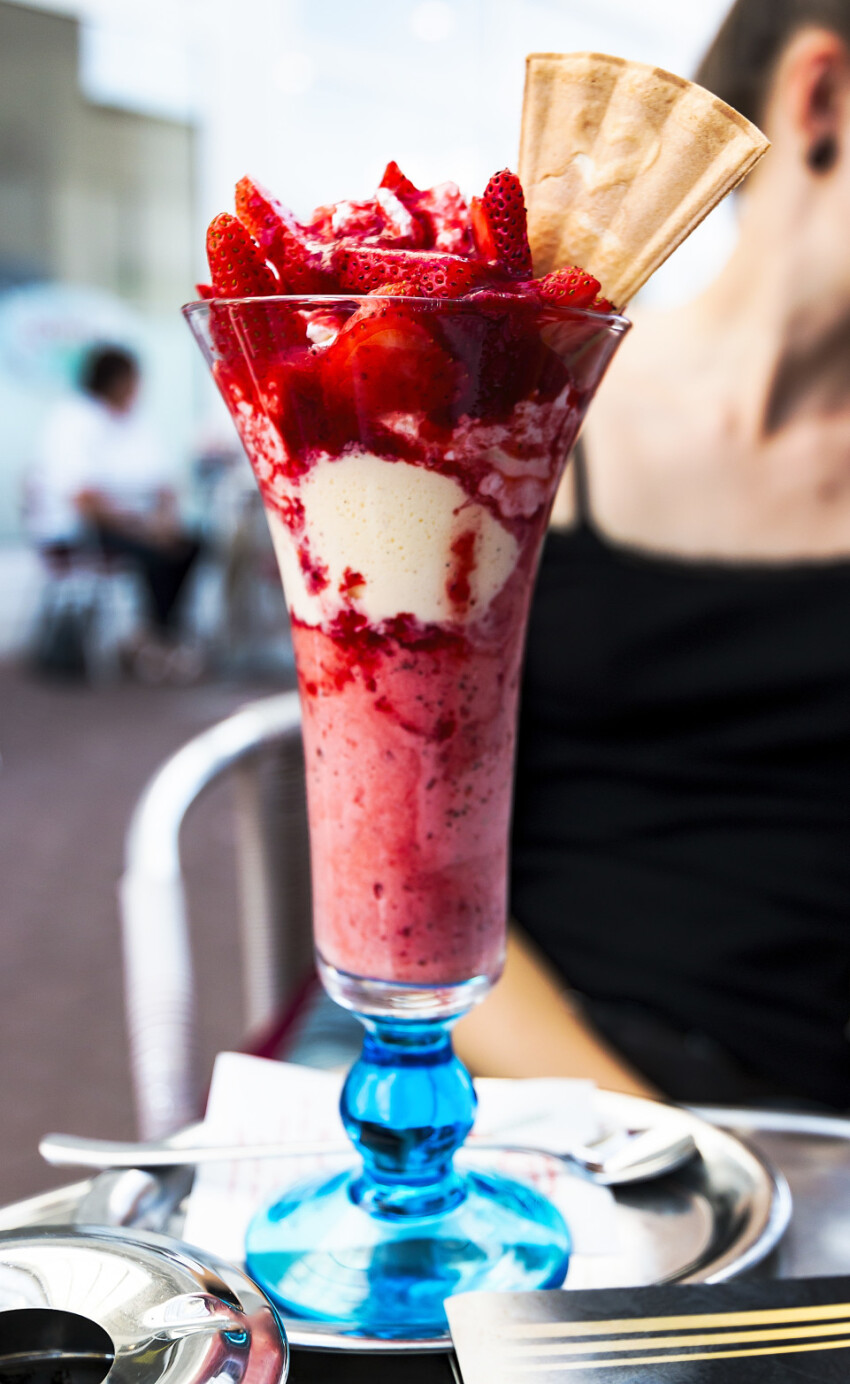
[823, 154]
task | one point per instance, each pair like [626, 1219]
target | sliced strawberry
[250, 338]
[483, 235]
[499, 224]
[395, 180]
[396, 288]
[297, 256]
[363, 269]
[267, 331]
[296, 402]
[401, 227]
[261, 213]
[323, 324]
[400, 215]
[572, 334]
[357, 220]
[444, 212]
[448, 276]
[385, 219]
[230, 368]
[228, 362]
[386, 361]
[304, 269]
[441, 212]
[320, 225]
[237, 264]
[501, 344]
[568, 286]
[497, 290]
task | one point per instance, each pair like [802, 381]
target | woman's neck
[774, 327]
[724, 429]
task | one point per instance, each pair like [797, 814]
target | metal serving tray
[718, 1216]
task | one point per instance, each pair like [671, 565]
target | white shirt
[85, 445]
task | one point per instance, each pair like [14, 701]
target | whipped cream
[395, 525]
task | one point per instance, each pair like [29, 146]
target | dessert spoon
[625, 1156]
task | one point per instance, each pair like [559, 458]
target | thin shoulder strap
[581, 483]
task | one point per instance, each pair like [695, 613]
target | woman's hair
[741, 61]
[105, 367]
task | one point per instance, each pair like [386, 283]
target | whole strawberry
[499, 224]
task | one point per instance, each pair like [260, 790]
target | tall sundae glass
[407, 440]
[408, 393]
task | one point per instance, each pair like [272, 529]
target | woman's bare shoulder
[653, 413]
[644, 380]
[627, 395]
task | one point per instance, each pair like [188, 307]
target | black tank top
[681, 847]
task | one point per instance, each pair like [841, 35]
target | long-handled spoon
[622, 1157]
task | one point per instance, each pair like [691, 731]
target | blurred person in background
[681, 854]
[101, 487]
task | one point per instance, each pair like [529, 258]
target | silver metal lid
[169, 1315]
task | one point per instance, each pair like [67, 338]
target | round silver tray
[712, 1219]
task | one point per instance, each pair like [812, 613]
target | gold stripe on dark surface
[527, 1369]
[824, 1312]
[681, 1339]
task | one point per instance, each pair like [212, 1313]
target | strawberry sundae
[407, 393]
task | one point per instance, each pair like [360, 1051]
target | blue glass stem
[408, 1104]
[379, 1248]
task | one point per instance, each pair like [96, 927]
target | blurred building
[90, 194]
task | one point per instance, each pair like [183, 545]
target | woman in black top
[682, 821]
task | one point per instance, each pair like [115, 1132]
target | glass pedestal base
[378, 1249]
[320, 1253]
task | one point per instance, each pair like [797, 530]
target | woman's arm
[528, 1027]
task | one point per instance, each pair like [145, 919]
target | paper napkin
[253, 1100]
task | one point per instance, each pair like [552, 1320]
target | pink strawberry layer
[409, 754]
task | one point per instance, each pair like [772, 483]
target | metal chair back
[261, 746]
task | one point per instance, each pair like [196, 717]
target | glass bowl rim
[612, 318]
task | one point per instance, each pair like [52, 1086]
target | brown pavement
[74, 761]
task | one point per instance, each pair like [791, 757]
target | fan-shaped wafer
[619, 161]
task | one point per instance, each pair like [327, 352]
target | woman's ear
[812, 89]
